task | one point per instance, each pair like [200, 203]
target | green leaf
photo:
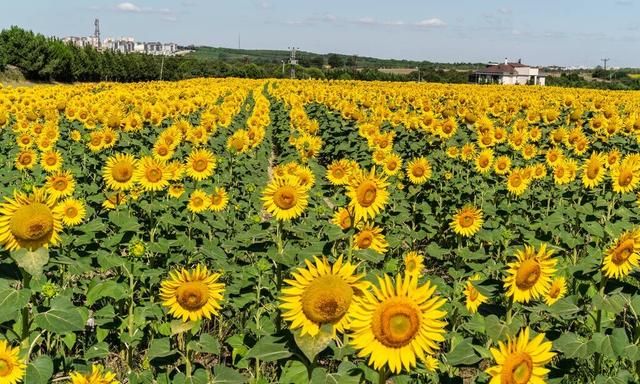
[294, 372]
[369, 255]
[594, 229]
[463, 353]
[206, 344]
[107, 288]
[124, 221]
[39, 371]
[267, 349]
[572, 346]
[619, 341]
[564, 307]
[179, 326]
[11, 301]
[160, 348]
[31, 261]
[603, 344]
[226, 375]
[434, 250]
[496, 329]
[613, 303]
[97, 351]
[61, 318]
[311, 346]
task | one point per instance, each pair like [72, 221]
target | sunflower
[285, 198]
[343, 218]
[29, 221]
[151, 174]
[95, 143]
[338, 172]
[119, 172]
[553, 156]
[51, 161]
[200, 164]
[368, 194]
[521, 361]
[467, 221]
[593, 170]
[305, 176]
[419, 170]
[484, 161]
[625, 175]
[98, 375]
[162, 151]
[529, 277]
[176, 190]
[60, 184]
[517, 183]
[26, 159]
[622, 256]
[114, 199]
[72, 211]
[557, 290]
[321, 295]
[413, 263]
[473, 297]
[218, 199]
[398, 324]
[12, 368]
[192, 294]
[613, 157]
[370, 237]
[502, 165]
[392, 164]
[198, 201]
[564, 171]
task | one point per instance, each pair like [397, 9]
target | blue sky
[540, 32]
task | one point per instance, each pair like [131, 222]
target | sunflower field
[276, 231]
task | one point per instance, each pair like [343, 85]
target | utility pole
[282, 68]
[238, 41]
[605, 62]
[293, 61]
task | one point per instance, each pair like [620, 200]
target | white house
[509, 73]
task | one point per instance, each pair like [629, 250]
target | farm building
[508, 73]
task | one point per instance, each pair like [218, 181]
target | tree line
[42, 58]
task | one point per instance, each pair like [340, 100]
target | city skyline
[543, 32]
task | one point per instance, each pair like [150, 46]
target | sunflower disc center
[192, 295]
[518, 369]
[395, 323]
[32, 222]
[5, 367]
[285, 197]
[326, 299]
[154, 174]
[418, 171]
[622, 252]
[367, 193]
[466, 220]
[200, 165]
[528, 274]
[625, 177]
[122, 172]
[71, 212]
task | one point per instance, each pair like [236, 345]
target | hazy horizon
[543, 32]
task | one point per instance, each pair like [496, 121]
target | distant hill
[262, 56]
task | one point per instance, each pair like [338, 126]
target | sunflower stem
[598, 355]
[382, 375]
[26, 280]
[509, 310]
[187, 357]
[131, 323]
